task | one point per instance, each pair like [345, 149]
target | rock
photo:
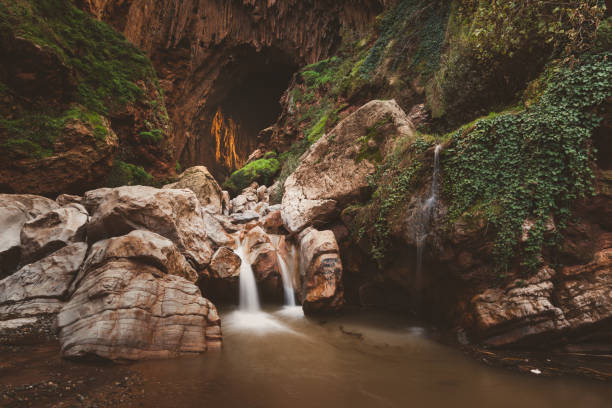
[215, 231]
[585, 292]
[227, 205]
[145, 246]
[273, 223]
[519, 312]
[16, 210]
[174, 214]
[80, 160]
[262, 256]
[245, 217]
[225, 264]
[53, 230]
[199, 180]
[130, 302]
[322, 268]
[331, 173]
[40, 288]
[65, 199]
[262, 193]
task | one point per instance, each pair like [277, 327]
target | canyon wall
[234, 55]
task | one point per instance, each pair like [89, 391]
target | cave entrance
[246, 100]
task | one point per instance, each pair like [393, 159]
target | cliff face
[229, 56]
[80, 107]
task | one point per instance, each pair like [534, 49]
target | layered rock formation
[133, 296]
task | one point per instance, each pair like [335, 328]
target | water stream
[249, 298]
[287, 281]
[425, 217]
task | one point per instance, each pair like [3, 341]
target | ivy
[532, 164]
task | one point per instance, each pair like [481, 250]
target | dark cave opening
[246, 100]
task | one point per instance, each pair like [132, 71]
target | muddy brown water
[281, 359]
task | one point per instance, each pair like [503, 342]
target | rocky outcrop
[174, 214]
[53, 230]
[15, 211]
[322, 287]
[80, 159]
[333, 172]
[131, 301]
[39, 290]
[202, 183]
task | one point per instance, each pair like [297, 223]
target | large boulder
[16, 210]
[174, 214]
[39, 289]
[199, 180]
[220, 281]
[322, 288]
[53, 230]
[263, 257]
[334, 171]
[131, 301]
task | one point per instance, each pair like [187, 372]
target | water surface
[281, 359]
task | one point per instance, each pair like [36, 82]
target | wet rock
[53, 230]
[131, 302]
[40, 288]
[225, 264]
[331, 173]
[519, 312]
[273, 223]
[322, 268]
[174, 214]
[263, 258]
[15, 211]
[199, 180]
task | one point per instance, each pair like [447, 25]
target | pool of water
[279, 358]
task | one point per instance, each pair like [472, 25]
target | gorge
[284, 202]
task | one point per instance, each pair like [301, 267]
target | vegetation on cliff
[103, 75]
[536, 78]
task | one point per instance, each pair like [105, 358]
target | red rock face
[235, 55]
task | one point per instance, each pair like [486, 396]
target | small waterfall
[287, 281]
[425, 218]
[249, 298]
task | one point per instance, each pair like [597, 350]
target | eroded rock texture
[199, 180]
[322, 288]
[333, 172]
[131, 301]
[174, 214]
[212, 54]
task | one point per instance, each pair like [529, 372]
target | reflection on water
[282, 359]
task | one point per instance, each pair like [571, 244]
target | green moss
[261, 171]
[152, 137]
[127, 174]
[34, 134]
[105, 65]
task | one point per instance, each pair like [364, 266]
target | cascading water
[249, 298]
[287, 281]
[425, 218]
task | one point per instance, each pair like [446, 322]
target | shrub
[261, 171]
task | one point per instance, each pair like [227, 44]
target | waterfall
[249, 298]
[425, 216]
[287, 281]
